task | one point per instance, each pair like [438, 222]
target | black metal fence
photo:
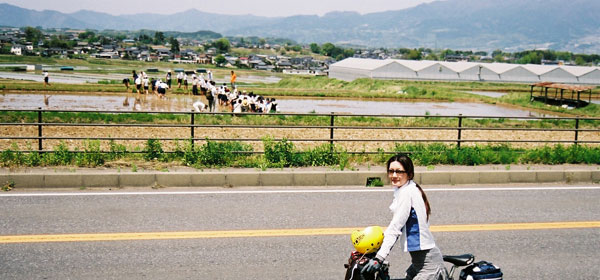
[457, 124]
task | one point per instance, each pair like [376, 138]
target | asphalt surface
[522, 254]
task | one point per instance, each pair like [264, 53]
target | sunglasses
[397, 171]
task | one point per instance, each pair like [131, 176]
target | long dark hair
[407, 163]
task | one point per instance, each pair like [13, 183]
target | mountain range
[510, 25]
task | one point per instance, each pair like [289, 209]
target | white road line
[366, 190]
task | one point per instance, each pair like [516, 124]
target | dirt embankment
[351, 139]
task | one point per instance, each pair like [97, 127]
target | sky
[269, 8]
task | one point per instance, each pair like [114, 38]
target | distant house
[17, 50]
[204, 59]
[244, 61]
[256, 63]
[284, 64]
[55, 51]
[5, 39]
[486, 58]
[265, 67]
[457, 58]
[231, 60]
[145, 56]
[108, 48]
[303, 72]
[108, 55]
[211, 51]
[163, 52]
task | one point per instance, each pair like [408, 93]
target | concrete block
[435, 178]
[309, 179]
[550, 176]
[208, 179]
[245, 179]
[25, 180]
[494, 177]
[285, 179]
[465, 177]
[137, 180]
[173, 179]
[363, 175]
[417, 178]
[578, 176]
[63, 181]
[522, 176]
[596, 176]
[100, 180]
[342, 178]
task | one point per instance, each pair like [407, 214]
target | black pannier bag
[481, 270]
[355, 264]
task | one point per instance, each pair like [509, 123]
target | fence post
[40, 147]
[460, 117]
[192, 128]
[331, 122]
[576, 129]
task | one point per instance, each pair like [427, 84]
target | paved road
[569, 253]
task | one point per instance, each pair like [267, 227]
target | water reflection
[495, 94]
[366, 107]
[183, 103]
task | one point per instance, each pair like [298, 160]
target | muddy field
[351, 139]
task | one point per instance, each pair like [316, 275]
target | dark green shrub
[219, 153]
[60, 156]
[7, 157]
[191, 155]
[91, 155]
[281, 153]
[153, 150]
[117, 151]
[325, 155]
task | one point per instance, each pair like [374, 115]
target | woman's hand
[373, 265]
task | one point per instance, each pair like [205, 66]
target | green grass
[280, 119]
[279, 154]
[435, 154]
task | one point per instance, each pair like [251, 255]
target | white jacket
[409, 222]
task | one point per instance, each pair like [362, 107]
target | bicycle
[357, 260]
[458, 261]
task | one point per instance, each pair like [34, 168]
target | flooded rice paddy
[183, 103]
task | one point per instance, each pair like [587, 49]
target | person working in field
[233, 79]
[179, 79]
[46, 78]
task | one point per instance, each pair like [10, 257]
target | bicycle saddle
[460, 260]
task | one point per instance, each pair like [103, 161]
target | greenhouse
[353, 68]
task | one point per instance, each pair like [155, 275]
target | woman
[410, 221]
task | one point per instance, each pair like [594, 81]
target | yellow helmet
[368, 240]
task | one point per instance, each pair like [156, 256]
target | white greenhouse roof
[459, 66]
[360, 63]
[416, 65]
[499, 68]
[538, 69]
[578, 70]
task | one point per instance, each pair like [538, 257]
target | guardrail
[193, 126]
